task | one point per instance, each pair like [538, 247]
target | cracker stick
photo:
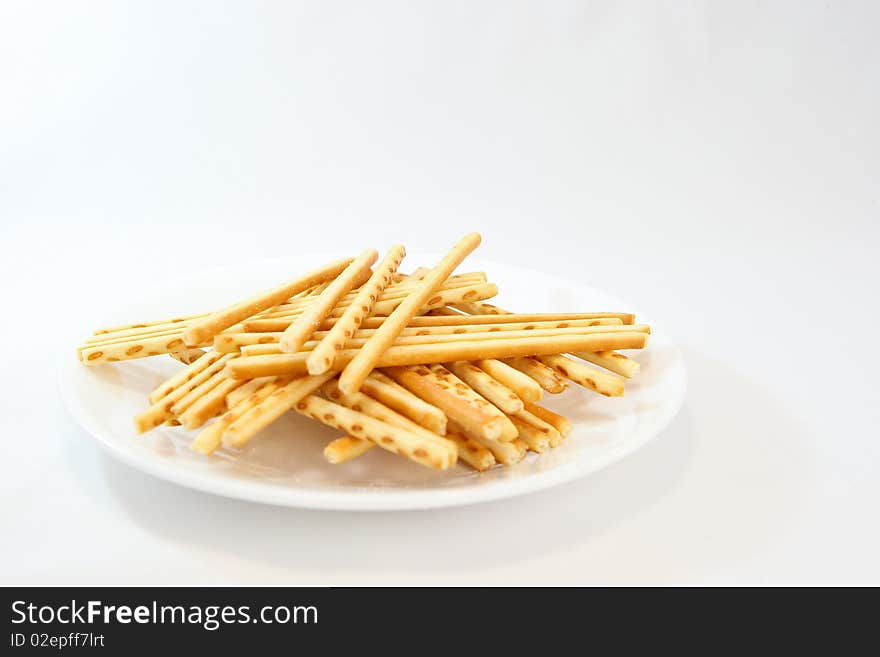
[133, 348]
[501, 396]
[524, 387]
[416, 447]
[505, 453]
[537, 439]
[457, 319]
[143, 325]
[475, 454]
[270, 409]
[478, 308]
[199, 391]
[234, 341]
[539, 426]
[559, 422]
[183, 376]
[470, 452]
[343, 449]
[322, 357]
[208, 405]
[308, 322]
[246, 390]
[369, 355]
[133, 334]
[210, 438]
[612, 361]
[438, 386]
[389, 392]
[585, 375]
[546, 377]
[187, 356]
[206, 328]
[160, 411]
[346, 448]
[250, 367]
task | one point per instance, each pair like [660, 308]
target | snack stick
[268, 337]
[479, 308]
[233, 343]
[505, 453]
[246, 390]
[456, 319]
[546, 377]
[199, 391]
[535, 430]
[302, 328]
[537, 440]
[358, 401]
[369, 355]
[208, 405]
[206, 328]
[210, 438]
[395, 291]
[524, 387]
[187, 356]
[585, 375]
[612, 361]
[401, 400]
[502, 397]
[183, 376]
[251, 367]
[346, 448]
[270, 409]
[160, 410]
[411, 445]
[143, 325]
[132, 334]
[476, 455]
[439, 387]
[559, 422]
[322, 357]
[133, 348]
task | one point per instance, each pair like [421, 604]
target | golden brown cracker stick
[535, 432]
[438, 386]
[505, 453]
[322, 357]
[501, 396]
[346, 448]
[208, 405]
[367, 357]
[416, 447]
[612, 361]
[146, 325]
[210, 438]
[246, 390]
[585, 375]
[132, 348]
[206, 328]
[251, 367]
[525, 387]
[183, 376]
[545, 376]
[198, 392]
[559, 422]
[481, 308]
[160, 411]
[187, 356]
[390, 393]
[270, 409]
[320, 307]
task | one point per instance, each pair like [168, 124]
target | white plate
[284, 464]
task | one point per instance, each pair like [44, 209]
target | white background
[714, 163]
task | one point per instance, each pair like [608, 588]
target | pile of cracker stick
[414, 364]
